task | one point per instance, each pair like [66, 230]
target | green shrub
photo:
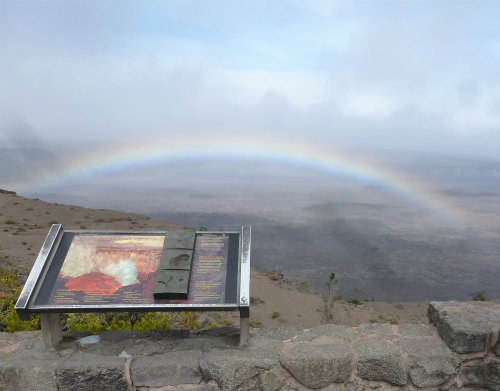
[480, 297]
[254, 322]
[10, 289]
[142, 321]
[355, 302]
[275, 315]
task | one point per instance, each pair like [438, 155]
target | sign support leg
[51, 329]
[244, 326]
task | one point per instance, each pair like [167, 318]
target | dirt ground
[24, 224]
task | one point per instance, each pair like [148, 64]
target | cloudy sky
[410, 75]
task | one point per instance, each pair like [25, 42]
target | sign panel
[81, 271]
[104, 269]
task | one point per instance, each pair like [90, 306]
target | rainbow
[116, 158]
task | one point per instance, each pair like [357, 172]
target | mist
[415, 76]
[356, 137]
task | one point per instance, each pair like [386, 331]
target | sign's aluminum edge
[31, 283]
[246, 239]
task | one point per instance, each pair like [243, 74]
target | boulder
[379, 359]
[431, 363]
[172, 368]
[317, 365]
[234, 369]
[91, 372]
[481, 374]
[465, 326]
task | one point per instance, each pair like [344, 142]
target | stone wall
[459, 350]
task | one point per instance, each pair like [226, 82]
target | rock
[376, 328]
[380, 360]
[233, 369]
[431, 363]
[415, 330]
[345, 333]
[481, 374]
[465, 327]
[28, 374]
[271, 380]
[317, 365]
[91, 339]
[354, 386]
[91, 372]
[172, 368]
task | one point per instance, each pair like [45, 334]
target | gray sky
[417, 74]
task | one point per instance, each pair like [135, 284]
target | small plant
[254, 322]
[254, 300]
[188, 321]
[393, 321]
[330, 299]
[10, 222]
[304, 285]
[355, 302]
[275, 314]
[480, 297]
[374, 320]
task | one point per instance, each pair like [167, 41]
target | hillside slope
[24, 224]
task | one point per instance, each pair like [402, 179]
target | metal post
[244, 326]
[244, 302]
[51, 329]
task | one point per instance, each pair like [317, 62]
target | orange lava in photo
[94, 283]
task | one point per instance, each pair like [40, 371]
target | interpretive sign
[89, 271]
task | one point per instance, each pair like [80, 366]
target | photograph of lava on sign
[108, 269]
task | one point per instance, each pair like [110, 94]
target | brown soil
[24, 224]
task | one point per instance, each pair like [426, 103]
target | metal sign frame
[25, 305]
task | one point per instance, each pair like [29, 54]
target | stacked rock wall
[458, 351]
